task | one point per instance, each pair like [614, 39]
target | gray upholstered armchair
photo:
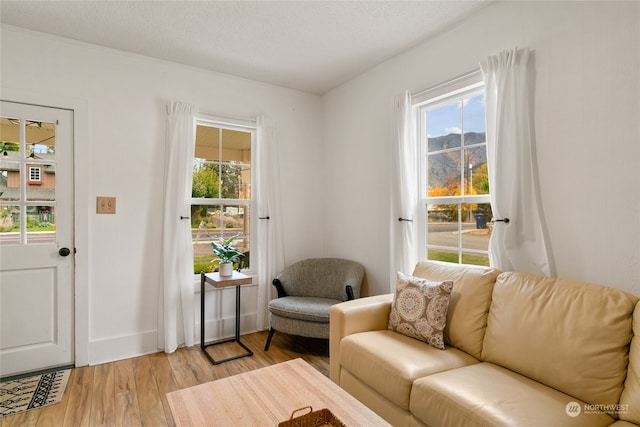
[306, 290]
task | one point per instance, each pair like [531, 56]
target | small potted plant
[227, 255]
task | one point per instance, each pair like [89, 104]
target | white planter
[225, 269]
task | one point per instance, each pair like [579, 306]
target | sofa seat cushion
[390, 362]
[303, 308]
[485, 394]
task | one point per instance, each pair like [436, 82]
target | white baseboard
[124, 347]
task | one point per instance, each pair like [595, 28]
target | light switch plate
[105, 205]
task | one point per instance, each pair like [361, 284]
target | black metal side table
[237, 279]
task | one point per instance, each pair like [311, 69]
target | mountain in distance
[453, 140]
[443, 167]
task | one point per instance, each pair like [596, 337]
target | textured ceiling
[312, 46]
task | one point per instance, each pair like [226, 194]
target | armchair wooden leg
[271, 331]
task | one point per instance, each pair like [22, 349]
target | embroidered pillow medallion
[419, 309]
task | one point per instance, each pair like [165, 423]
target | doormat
[22, 394]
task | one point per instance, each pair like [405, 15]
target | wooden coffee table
[265, 397]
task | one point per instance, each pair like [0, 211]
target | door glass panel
[41, 182]
[9, 225]
[9, 159]
[41, 224]
[9, 181]
[9, 137]
[40, 139]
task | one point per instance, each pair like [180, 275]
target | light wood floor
[132, 392]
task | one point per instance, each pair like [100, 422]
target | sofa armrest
[350, 317]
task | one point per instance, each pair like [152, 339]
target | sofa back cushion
[569, 335]
[630, 400]
[469, 302]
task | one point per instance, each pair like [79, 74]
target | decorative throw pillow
[420, 308]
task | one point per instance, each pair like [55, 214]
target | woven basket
[321, 418]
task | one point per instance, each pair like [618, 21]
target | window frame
[241, 125]
[456, 89]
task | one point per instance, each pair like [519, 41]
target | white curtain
[520, 244]
[405, 192]
[176, 317]
[270, 234]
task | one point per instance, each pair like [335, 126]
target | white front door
[36, 238]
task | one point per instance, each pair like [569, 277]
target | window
[454, 187]
[34, 175]
[221, 203]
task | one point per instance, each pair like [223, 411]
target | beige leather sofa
[521, 350]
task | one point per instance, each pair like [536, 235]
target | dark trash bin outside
[481, 221]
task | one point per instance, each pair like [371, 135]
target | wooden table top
[235, 279]
[265, 397]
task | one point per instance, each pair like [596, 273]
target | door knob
[64, 251]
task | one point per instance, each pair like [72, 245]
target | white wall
[336, 153]
[119, 152]
[587, 116]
